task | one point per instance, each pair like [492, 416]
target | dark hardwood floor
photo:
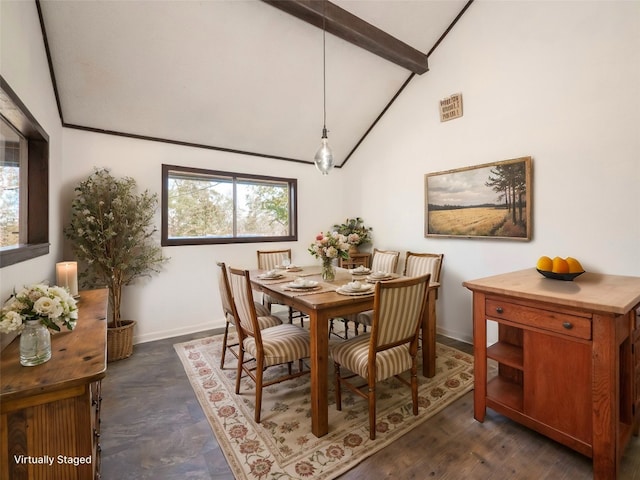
[153, 428]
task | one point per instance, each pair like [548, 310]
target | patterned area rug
[282, 445]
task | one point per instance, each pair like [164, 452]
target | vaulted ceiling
[236, 75]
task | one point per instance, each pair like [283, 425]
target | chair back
[397, 312]
[417, 264]
[270, 259]
[384, 260]
[244, 307]
[225, 290]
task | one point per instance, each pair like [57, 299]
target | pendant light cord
[324, 69]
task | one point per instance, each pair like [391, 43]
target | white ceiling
[231, 74]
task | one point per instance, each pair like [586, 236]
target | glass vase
[328, 270]
[35, 344]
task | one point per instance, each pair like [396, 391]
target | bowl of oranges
[559, 268]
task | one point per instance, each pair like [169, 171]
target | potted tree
[111, 230]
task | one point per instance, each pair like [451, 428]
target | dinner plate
[361, 271]
[270, 277]
[373, 278]
[364, 287]
[341, 291]
[301, 286]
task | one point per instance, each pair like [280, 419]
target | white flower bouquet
[53, 306]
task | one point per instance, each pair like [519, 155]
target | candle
[67, 276]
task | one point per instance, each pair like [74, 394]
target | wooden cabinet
[635, 350]
[567, 359]
[356, 260]
[50, 413]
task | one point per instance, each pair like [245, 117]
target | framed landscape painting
[485, 201]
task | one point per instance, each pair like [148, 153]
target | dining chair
[383, 261]
[269, 260]
[265, 319]
[416, 264]
[277, 345]
[389, 349]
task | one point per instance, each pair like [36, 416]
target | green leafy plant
[112, 234]
[355, 231]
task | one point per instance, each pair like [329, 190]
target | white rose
[48, 307]
[11, 321]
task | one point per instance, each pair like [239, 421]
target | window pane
[207, 206]
[10, 154]
[200, 207]
[263, 209]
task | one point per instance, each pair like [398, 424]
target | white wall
[24, 66]
[558, 81]
[184, 297]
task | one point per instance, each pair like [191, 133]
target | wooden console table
[51, 412]
[568, 357]
[356, 260]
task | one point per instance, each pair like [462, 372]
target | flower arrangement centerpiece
[33, 311]
[355, 231]
[329, 246]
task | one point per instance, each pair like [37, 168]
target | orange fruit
[574, 265]
[560, 265]
[545, 264]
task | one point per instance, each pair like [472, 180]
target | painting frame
[491, 200]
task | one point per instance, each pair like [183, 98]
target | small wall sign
[451, 107]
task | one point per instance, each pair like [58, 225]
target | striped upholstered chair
[390, 348]
[282, 344]
[270, 260]
[416, 264]
[265, 319]
[382, 261]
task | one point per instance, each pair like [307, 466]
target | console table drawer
[572, 325]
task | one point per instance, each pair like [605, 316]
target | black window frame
[18, 115]
[293, 208]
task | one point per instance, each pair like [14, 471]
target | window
[206, 206]
[24, 182]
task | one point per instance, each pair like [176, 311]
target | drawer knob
[499, 309]
[567, 325]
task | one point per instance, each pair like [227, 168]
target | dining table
[321, 304]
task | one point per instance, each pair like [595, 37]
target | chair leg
[372, 409]
[414, 386]
[259, 372]
[239, 373]
[336, 367]
[224, 344]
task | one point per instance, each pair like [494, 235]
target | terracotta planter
[120, 341]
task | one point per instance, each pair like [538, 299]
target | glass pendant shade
[324, 157]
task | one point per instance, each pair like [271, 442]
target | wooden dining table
[323, 304]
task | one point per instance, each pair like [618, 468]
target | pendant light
[324, 157]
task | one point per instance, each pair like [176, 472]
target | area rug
[282, 445]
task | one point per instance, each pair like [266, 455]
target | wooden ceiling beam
[353, 29]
